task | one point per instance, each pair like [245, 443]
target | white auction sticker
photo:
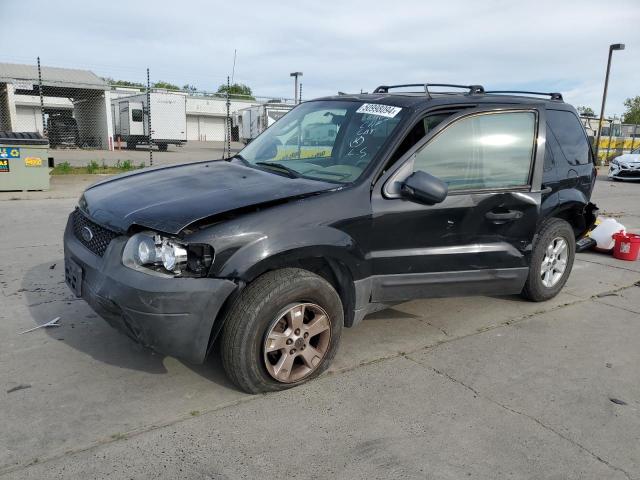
[378, 109]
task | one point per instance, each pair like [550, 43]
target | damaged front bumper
[173, 316]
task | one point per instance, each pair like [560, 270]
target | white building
[87, 97]
[78, 93]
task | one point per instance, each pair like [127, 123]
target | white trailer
[168, 119]
[252, 121]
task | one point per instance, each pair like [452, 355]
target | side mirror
[424, 188]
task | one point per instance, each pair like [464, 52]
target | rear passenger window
[570, 135]
[483, 151]
[136, 115]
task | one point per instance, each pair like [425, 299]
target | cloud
[339, 45]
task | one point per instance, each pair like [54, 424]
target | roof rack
[553, 95]
[473, 89]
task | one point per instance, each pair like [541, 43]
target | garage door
[28, 119]
[204, 128]
[193, 130]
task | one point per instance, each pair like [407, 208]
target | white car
[625, 167]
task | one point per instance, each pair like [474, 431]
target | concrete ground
[487, 387]
[190, 152]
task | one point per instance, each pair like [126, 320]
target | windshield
[325, 140]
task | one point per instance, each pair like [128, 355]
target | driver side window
[492, 150]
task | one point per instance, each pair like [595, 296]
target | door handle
[503, 217]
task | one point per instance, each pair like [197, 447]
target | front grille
[629, 173]
[99, 238]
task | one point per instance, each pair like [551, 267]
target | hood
[169, 199]
[629, 158]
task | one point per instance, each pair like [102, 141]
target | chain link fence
[616, 138]
[91, 120]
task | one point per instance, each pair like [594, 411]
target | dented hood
[171, 198]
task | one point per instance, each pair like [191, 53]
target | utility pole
[295, 87]
[615, 46]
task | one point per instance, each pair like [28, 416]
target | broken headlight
[152, 252]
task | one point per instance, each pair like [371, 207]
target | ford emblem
[87, 234]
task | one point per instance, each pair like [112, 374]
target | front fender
[270, 251]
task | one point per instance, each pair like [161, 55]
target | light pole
[295, 93]
[615, 46]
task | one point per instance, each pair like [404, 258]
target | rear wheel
[163, 147]
[551, 261]
[283, 330]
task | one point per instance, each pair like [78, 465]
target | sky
[347, 46]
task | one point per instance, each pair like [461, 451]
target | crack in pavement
[7, 469]
[477, 394]
[607, 265]
[616, 306]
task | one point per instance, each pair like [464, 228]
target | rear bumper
[173, 316]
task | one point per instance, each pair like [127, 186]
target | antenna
[233, 71]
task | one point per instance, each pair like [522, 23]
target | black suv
[416, 194]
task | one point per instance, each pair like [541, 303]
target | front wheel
[551, 261]
[283, 330]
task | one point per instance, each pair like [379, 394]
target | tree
[237, 90]
[123, 83]
[632, 112]
[586, 111]
[165, 85]
[189, 88]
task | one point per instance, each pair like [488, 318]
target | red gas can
[627, 246]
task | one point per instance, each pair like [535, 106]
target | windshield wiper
[275, 165]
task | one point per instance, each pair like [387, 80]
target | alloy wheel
[554, 262]
[296, 342]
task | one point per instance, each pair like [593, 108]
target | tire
[163, 147]
[258, 315]
[535, 288]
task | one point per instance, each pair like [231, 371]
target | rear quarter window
[570, 135]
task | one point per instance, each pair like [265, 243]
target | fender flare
[267, 252]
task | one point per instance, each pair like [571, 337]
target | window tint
[136, 115]
[549, 157]
[417, 133]
[482, 151]
[570, 135]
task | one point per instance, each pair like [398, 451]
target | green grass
[93, 167]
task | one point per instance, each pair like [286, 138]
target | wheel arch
[330, 265]
[580, 215]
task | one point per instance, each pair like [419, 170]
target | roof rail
[553, 95]
[473, 89]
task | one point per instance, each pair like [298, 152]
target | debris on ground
[604, 231]
[610, 236]
[617, 401]
[22, 386]
[52, 266]
[51, 323]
